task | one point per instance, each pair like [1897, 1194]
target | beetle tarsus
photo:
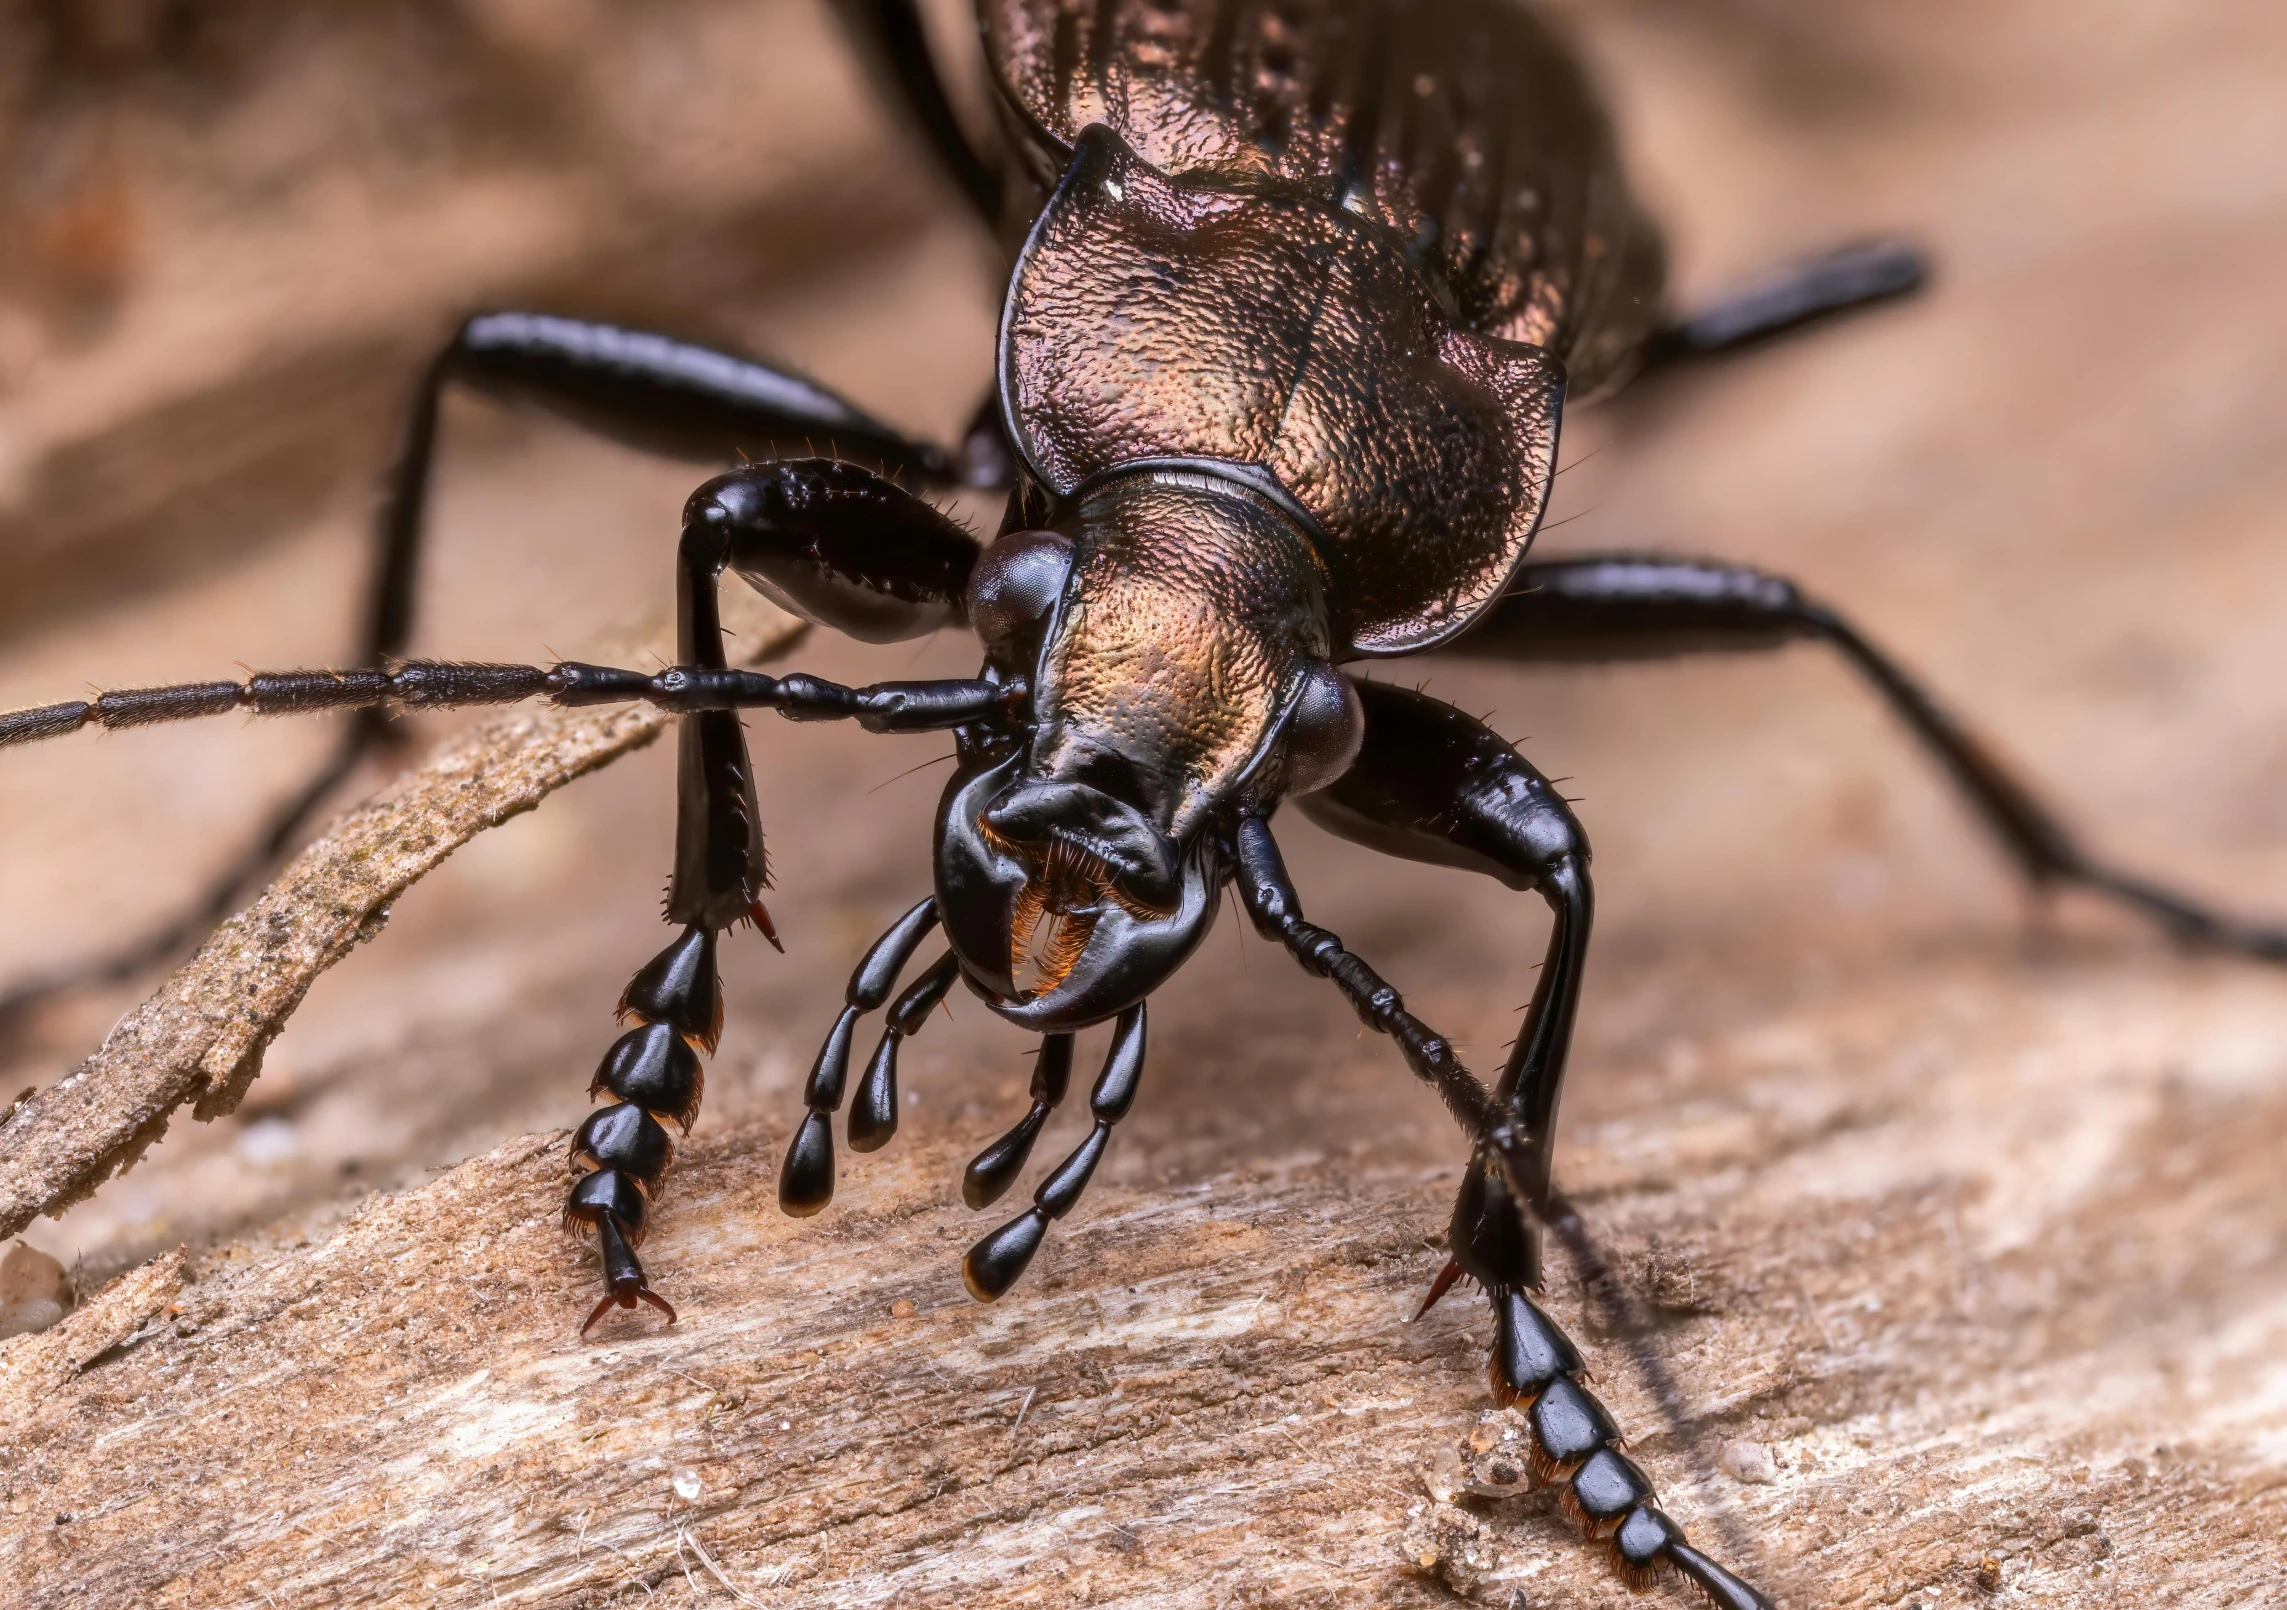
[1576, 1446]
[627, 1299]
[1723, 1590]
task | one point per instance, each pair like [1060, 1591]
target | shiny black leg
[1575, 1444]
[720, 871]
[1431, 784]
[652, 1072]
[1795, 295]
[720, 863]
[1606, 608]
[649, 391]
[995, 1262]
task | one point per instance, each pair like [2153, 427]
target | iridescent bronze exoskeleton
[1299, 292]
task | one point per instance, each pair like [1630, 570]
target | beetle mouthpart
[1056, 913]
[1055, 916]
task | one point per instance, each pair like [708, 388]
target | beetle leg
[1862, 275]
[1606, 608]
[1431, 784]
[995, 1262]
[720, 872]
[1533, 1365]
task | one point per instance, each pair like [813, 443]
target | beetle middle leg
[1605, 608]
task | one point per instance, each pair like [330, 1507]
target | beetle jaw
[1065, 907]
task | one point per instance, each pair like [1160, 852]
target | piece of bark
[201, 1035]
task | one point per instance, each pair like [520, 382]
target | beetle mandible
[1299, 291]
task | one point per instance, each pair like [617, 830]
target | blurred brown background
[2055, 485]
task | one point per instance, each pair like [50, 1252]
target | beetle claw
[628, 1299]
[597, 1312]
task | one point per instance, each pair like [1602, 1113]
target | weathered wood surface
[1991, 1270]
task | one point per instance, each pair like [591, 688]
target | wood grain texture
[1857, 1251]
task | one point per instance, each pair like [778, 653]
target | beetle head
[1176, 644]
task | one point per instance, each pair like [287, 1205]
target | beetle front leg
[1434, 785]
[676, 1000]
[848, 543]
[1431, 784]
[1575, 1443]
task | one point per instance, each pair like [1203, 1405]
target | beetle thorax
[1193, 611]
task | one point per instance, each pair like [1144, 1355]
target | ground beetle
[1300, 290]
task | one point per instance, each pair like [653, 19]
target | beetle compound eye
[1325, 732]
[1012, 589]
